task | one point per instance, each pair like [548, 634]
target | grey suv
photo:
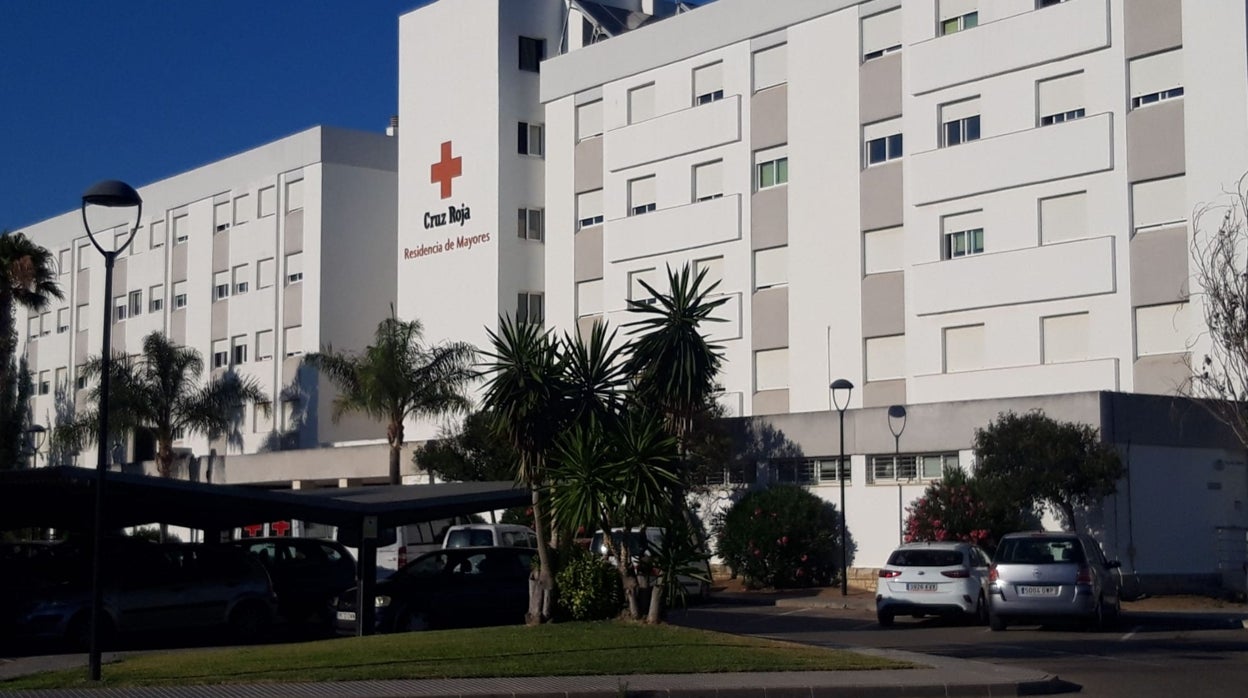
[1052, 575]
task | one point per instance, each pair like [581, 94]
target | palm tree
[29, 281]
[160, 389]
[397, 378]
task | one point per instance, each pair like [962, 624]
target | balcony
[673, 229]
[1015, 381]
[670, 135]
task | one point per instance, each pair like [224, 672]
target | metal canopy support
[365, 604]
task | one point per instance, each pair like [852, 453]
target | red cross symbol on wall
[447, 169]
[280, 528]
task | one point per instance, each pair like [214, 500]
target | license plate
[348, 616]
[1037, 591]
[927, 586]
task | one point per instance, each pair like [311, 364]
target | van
[412, 541]
[490, 536]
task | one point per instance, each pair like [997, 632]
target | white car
[933, 579]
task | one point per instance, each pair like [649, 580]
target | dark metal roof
[64, 497]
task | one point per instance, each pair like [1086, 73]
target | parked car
[152, 588]
[933, 579]
[1052, 575]
[455, 587]
[644, 541]
[307, 574]
[490, 535]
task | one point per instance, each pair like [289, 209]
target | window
[771, 267]
[963, 348]
[1040, 4]
[809, 471]
[136, 303]
[589, 209]
[641, 103]
[1064, 217]
[63, 261]
[1161, 329]
[294, 195]
[959, 122]
[80, 380]
[883, 250]
[1156, 78]
[294, 268]
[886, 358]
[532, 53]
[265, 272]
[221, 216]
[262, 416]
[770, 67]
[529, 224]
[241, 276]
[61, 381]
[963, 234]
[1060, 99]
[45, 383]
[220, 353]
[1159, 202]
[893, 468]
[220, 285]
[242, 208]
[292, 340]
[638, 293]
[155, 299]
[1064, 338]
[238, 349]
[264, 345]
[641, 195]
[181, 229]
[84, 256]
[45, 324]
[121, 308]
[268, 201]
[179, 295]
[62, 320]
[958, 15]
[589, 298]
[708, 181]
[881, 34]
[529, 308]
[529, 139]
[80, 317]
[714, 268]
[708, 83]
[771, 369]
[589, 120]
[771, 167]
[158, 234]
[32, 327]
[881, 141]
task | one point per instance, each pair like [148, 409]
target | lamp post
[897, 424]
[111, 194]
[35, 435]
[838, 385]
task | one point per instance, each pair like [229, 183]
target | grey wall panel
[588, 164]
[879, 89]
[770, 321]
[771, 402]
[177, 326]
[221, 320]
[1155, 143]
[884, 304]
[769, 118]
[1165, 374]
[588, 255]
[1159, 269]
[81, 348]
[82, 289]
[220, 251]
[1152, 25]
[292, 306]
[294, 232]
[884, 393]
[769, 218]
[881, 196]
[178, 271]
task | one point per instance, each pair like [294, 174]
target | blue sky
[139, 90]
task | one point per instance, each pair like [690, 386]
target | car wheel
[249, 622]
[885, 618]
[412, 621]
[1096, 621]
[996, 622]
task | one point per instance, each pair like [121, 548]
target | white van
[490, 535]
[412, 541]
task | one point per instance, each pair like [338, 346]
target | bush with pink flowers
[780, 537]
[959, 508]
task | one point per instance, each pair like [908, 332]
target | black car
[456, 587]
[307, 574]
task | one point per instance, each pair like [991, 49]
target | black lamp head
[111, 193]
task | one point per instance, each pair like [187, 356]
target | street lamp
[897, 424]
[838, 385]
[110, 194]
[36, 434]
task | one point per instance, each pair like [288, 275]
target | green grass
[564, 649]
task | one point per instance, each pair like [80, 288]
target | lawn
[563, 649]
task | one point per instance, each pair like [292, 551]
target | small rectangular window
[220, 285]
[963, 348]
[589, 120]
[771, 267]
[963, 234]
[292, 340]
[121, 308]
[294, 268]
[637, 292]
[641, 103]
[156, 299]
[45, 324]
[1060, 99]
[221, 216]
[771, 369]
[532, 53]
[771, 168]
[1063, 217]
[881, 34]
[714, 268]
[529, 139]
[45, 383]
[588, 298]
[1064, 338]
[882, 141]
[529, 224]
[238, 350]
[179, 295]
[265, 272]
[63, 261]
[641, 195]
[181, 229]
[708, 83]
[957, 15]
[1159, 202]
[61, 382]
[242, 208]
[530, 308]
[770, 67]
[62, 320]
[80, 317]
[959, 122]
[589, 209]
[294, 195]
[1156, 78]
[136, 303]
[158, 234]
[708, 181]
[241, 277]
[268, 201]
[264, 345]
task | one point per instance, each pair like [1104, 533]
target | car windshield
[925, 558]
[1040, 551]
[469, 538]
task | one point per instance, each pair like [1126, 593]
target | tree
[1033, 458]
[782, 536]
[474, 453]
[160, 389]
[397, 378]
[29, 282]
[961, 507]
[1220, 268]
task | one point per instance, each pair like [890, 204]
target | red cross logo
[280, 528]
[446, 170]
[253, 530]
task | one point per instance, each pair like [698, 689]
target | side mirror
[1113, 564]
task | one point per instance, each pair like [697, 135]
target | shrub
[780, 537]
[589, 588]
[960, 507]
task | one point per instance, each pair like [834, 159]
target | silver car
[1052, 575]
[933, 579]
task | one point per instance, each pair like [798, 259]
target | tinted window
[925, 558]
[331, 553]
[469, 538]
[1040, 551]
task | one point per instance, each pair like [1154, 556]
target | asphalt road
[1188, 655]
